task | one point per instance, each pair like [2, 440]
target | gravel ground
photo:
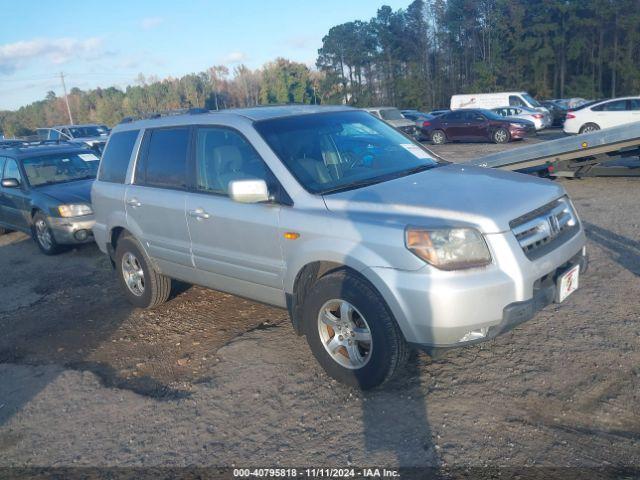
[212, 380]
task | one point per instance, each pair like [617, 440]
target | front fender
[343, 252]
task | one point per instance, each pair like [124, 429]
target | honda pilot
[372, 245]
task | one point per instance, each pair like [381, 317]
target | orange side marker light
[291, 235]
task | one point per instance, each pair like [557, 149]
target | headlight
[448, 248]
[74, 210]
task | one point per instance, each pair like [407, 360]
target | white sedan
[602, 114]
[539, 118]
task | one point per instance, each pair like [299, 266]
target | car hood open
[451, 195]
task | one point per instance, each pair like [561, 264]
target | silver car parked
[372, 245]
[540, 119]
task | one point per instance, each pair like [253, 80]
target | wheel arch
[115, 233]
[309, 274]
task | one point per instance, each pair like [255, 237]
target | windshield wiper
[353, 186]
[420, 168]
[55, 182]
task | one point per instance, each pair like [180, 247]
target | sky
[110, 42]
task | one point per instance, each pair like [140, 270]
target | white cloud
[235, 57]
[151, 22]
[56, 51]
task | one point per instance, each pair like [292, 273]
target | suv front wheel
[142, 285]
[351, 332]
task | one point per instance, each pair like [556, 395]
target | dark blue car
[46, 192]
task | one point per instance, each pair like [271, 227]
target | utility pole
[66, 98]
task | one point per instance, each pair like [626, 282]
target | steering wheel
[353, 160]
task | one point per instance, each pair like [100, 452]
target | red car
[476, 125]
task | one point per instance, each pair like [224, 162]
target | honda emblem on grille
[554, 225]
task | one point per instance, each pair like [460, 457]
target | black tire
[501, 135]
[438, 137]
[43, 235]
[156, 287]
[389, 350]
[589, 127]
[3, 230]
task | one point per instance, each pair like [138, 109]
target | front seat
[230, 165]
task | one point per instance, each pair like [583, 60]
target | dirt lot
[212, 380]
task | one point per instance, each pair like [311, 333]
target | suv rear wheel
[351, 332]
[143, 286]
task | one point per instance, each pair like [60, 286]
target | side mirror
[10, 182]
[248, 191]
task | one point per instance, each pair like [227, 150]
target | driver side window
[222, 156]
[515, 101]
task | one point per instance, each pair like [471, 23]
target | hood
[451, 195]
[70, 192]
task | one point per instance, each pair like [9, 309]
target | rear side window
[115, 161]
[615, 106]
[634, 104]
[165, 162]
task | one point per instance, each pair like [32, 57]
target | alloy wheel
[133, 274]
[43, 234]
[501, 136]
[345, 334]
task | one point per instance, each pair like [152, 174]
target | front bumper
[438, 310]
[72, 230]
[518, 133]
[517, 313]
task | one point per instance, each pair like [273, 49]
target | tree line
[420, 56]
[412, 58]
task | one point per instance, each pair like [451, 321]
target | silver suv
[372, 245]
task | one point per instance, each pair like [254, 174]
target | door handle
[199, 214]
[134, 202]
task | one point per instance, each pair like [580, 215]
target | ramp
[574, 156]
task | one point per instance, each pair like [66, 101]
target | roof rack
[166, 113]
[15, 143]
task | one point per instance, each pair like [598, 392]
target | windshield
[330, 152]
[532, 101]
[60, 168]
[391, 114]
[82, 132]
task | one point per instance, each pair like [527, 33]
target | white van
[495, 100]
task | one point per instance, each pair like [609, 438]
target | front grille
[540, 231]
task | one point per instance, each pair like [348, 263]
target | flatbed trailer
[585, 155]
